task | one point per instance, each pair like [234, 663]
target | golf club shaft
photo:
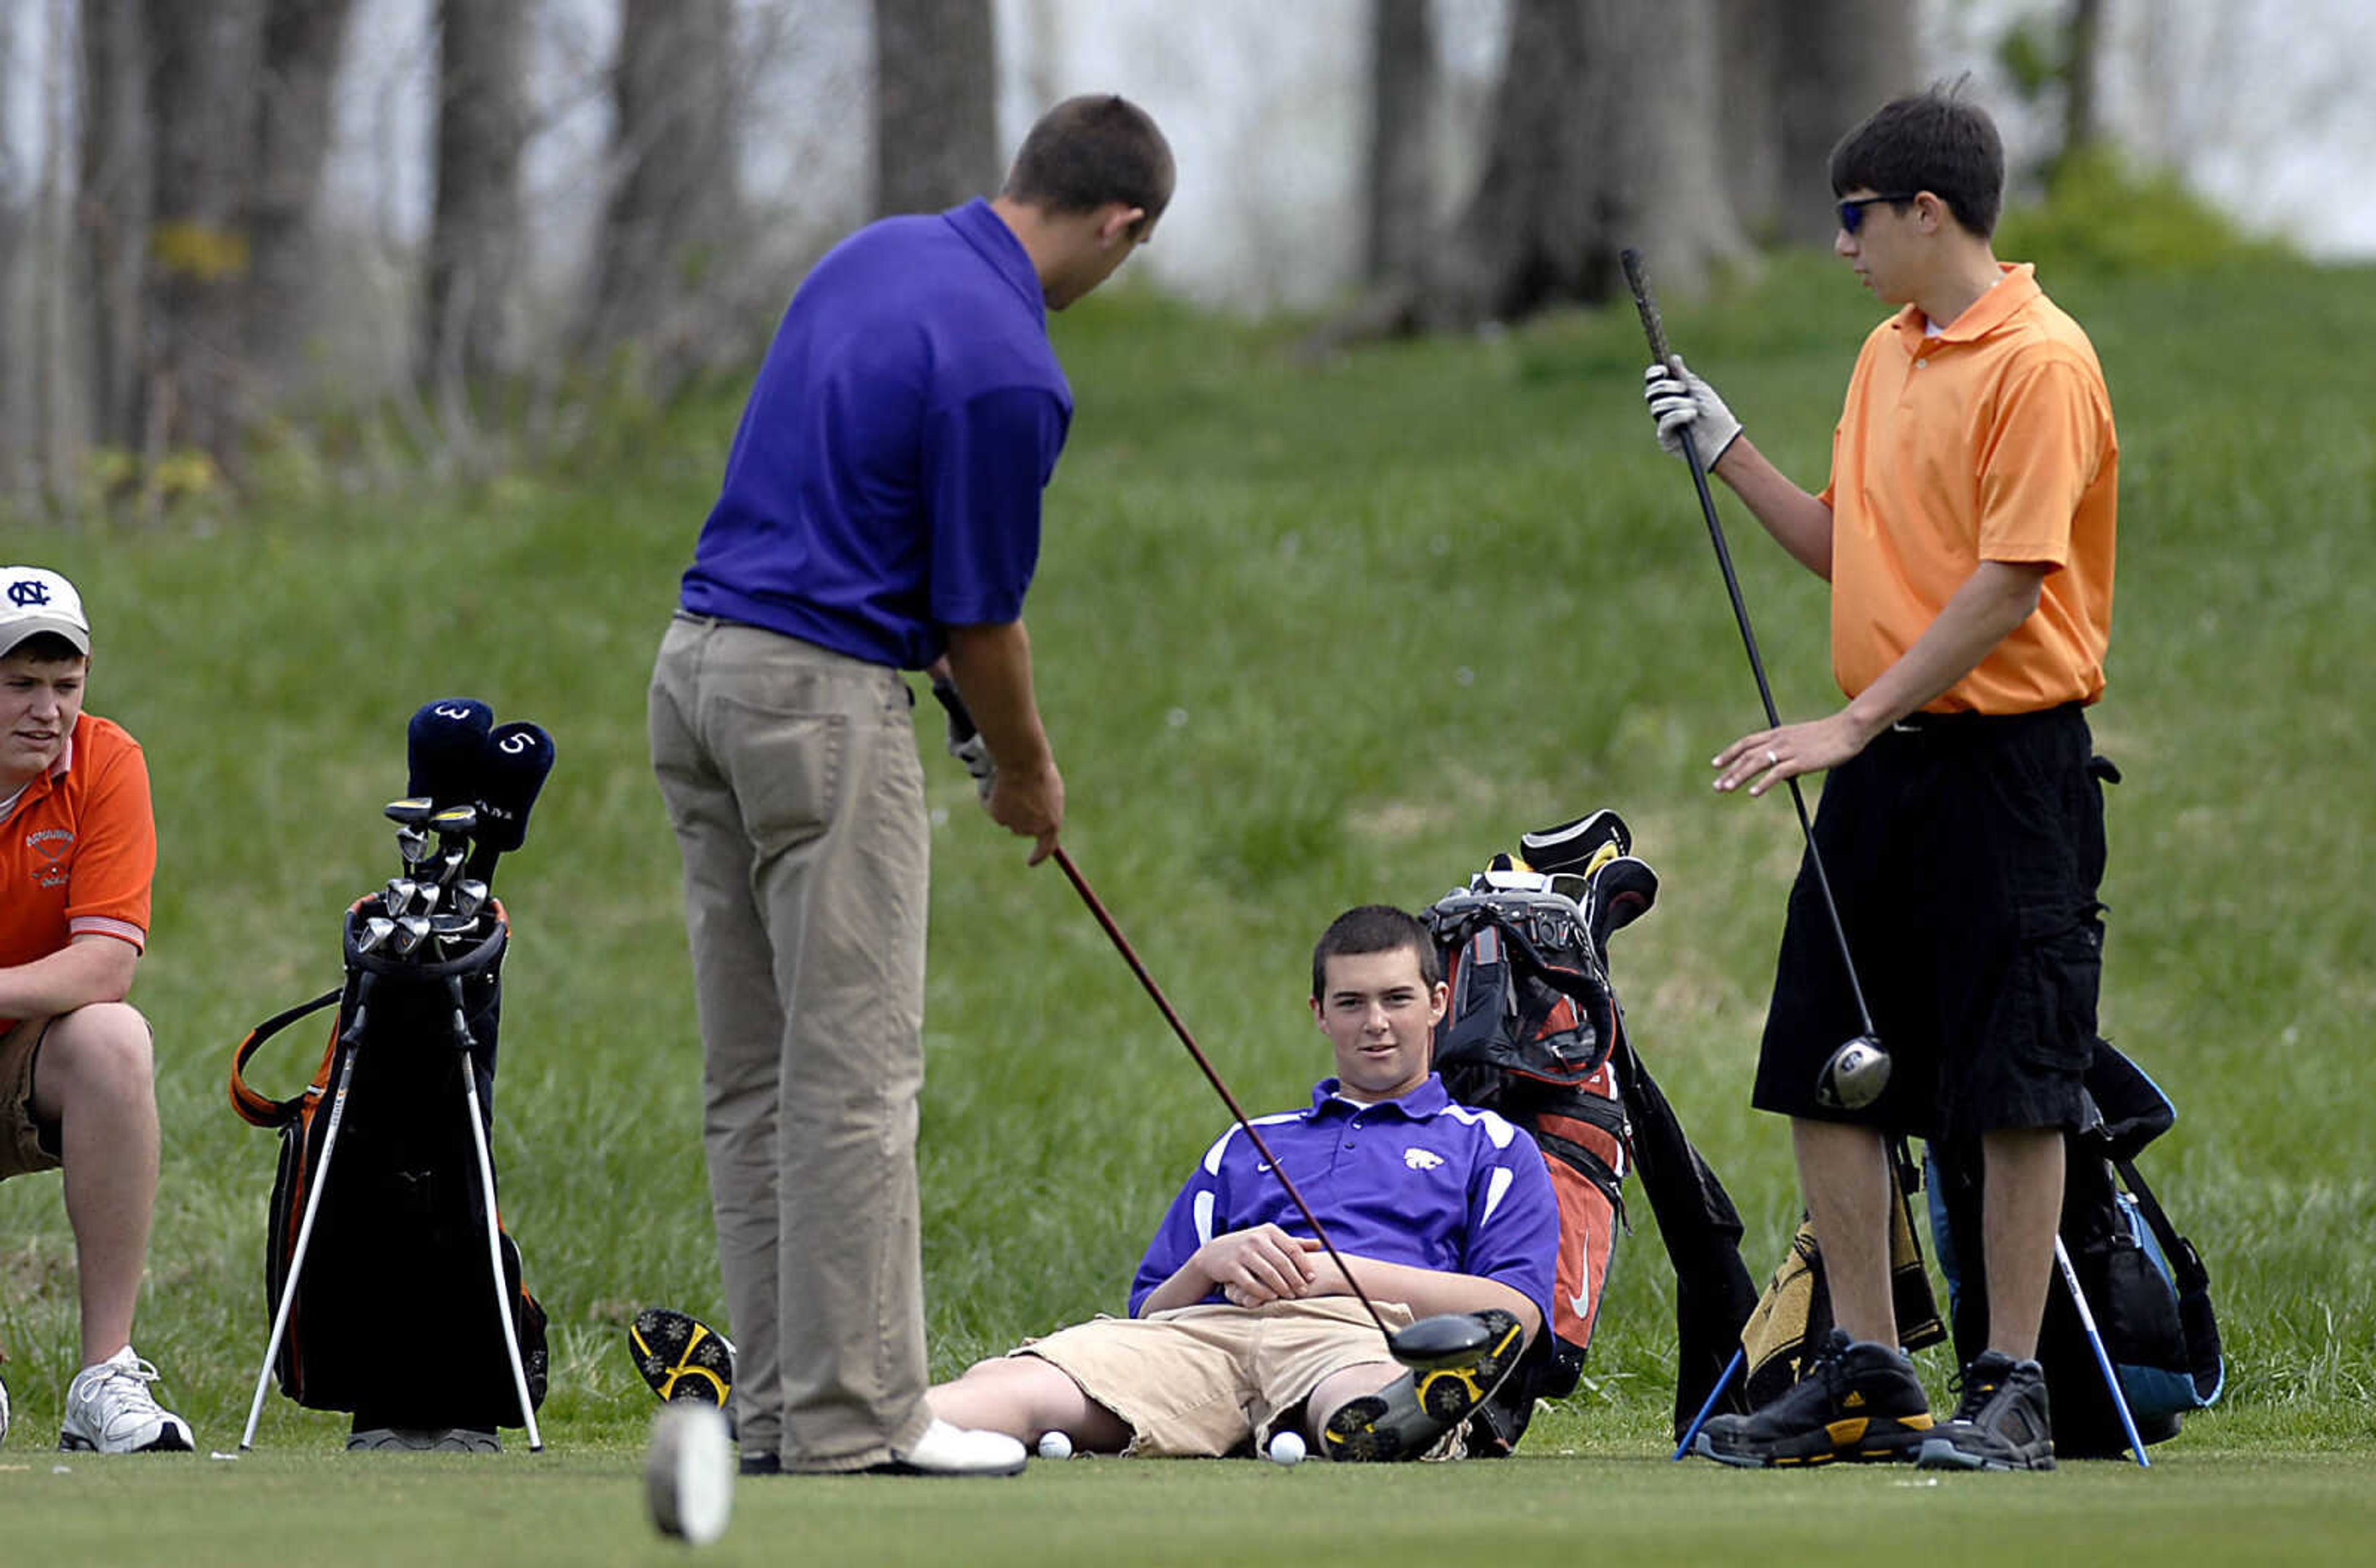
[1654, 328]
[1121, 942]
[2095, 1343]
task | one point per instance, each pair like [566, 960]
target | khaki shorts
[1205, 1381]
[25, 1144]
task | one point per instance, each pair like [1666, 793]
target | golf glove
[1688, 403]
[976, 757]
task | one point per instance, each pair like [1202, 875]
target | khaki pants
[1203, 1381]
[793, 782]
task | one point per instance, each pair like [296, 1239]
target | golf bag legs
[313, 1206]
[463, 1042]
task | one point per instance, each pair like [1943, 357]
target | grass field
[1307, 635]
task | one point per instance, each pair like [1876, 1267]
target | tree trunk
[116, 182]
[935, 102]
[1834, 62]
[1655, 79]
[476, 238]
[202, 98]
[1532, 231]
[672, 218]
[1402, 104]
[301, 42]
[2082, 46]
[18, 195]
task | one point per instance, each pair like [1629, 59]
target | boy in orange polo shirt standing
[78, 849]
[1967, 535]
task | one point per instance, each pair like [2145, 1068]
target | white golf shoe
[110, 1410]
[946, 1450]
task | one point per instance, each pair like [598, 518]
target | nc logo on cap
[27, 593]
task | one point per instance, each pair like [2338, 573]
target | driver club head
[1447, 1339]
[1854, 1076]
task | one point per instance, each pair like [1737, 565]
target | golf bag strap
[2198, 1321]
[2183, 1260]
[257, 1110]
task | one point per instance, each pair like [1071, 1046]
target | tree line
[156, 269]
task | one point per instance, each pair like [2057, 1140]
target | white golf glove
[1688, 403]
[976, 757]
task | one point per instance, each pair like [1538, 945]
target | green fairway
[2202, 1503]
[1307, 634]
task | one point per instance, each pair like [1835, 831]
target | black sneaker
[2002, 1423]
[1860, 1401]
[1407, 1418]
[681, 1357]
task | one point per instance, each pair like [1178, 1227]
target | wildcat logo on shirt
[1421, 1159]
[50, 847]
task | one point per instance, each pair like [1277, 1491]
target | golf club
[1447, 1339]
[2103, 1360]
[1857, 1072]
[517, 757]
[443, 744]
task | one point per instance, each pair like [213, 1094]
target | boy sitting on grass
[1240, 1327]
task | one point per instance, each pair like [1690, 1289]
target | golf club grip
[1637, 277]
[961, 725]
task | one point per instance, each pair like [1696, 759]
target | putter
[1857, 1072]
[1446, 1339]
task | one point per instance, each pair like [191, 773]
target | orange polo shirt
[78, 849]
[1991, 441]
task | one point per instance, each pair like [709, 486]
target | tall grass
[1306, 636]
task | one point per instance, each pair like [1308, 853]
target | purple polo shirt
[1420, 1180]
[884, 482]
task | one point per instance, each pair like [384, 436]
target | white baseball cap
[34, 601]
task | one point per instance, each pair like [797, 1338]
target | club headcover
[517, 757]
[445, 747]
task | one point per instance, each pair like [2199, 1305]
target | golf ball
[1287, 1448]
[689, 1473]
[1056, 1445]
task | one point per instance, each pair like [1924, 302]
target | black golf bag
[1535, 1032]
[382, 1234]
[2145, 1286]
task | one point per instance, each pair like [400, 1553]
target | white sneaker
[946, 1450]
[110, 1410]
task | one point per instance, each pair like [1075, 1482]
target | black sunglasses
[1852, 212]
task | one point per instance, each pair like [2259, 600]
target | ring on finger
[1773, 758]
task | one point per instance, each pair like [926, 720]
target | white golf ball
[1287, 1447]
[1056, 1445]
[689, 1473]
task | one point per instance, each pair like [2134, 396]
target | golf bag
[1534, 1032]
[1794, 1316]
[2147, 1288]
[391, 1311]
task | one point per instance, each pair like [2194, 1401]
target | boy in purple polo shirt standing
[1239, 1324]
[880, 513]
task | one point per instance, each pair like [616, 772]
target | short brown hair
[1090, 151]
[1935, 141]
[1375, 928]
[45, 647]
